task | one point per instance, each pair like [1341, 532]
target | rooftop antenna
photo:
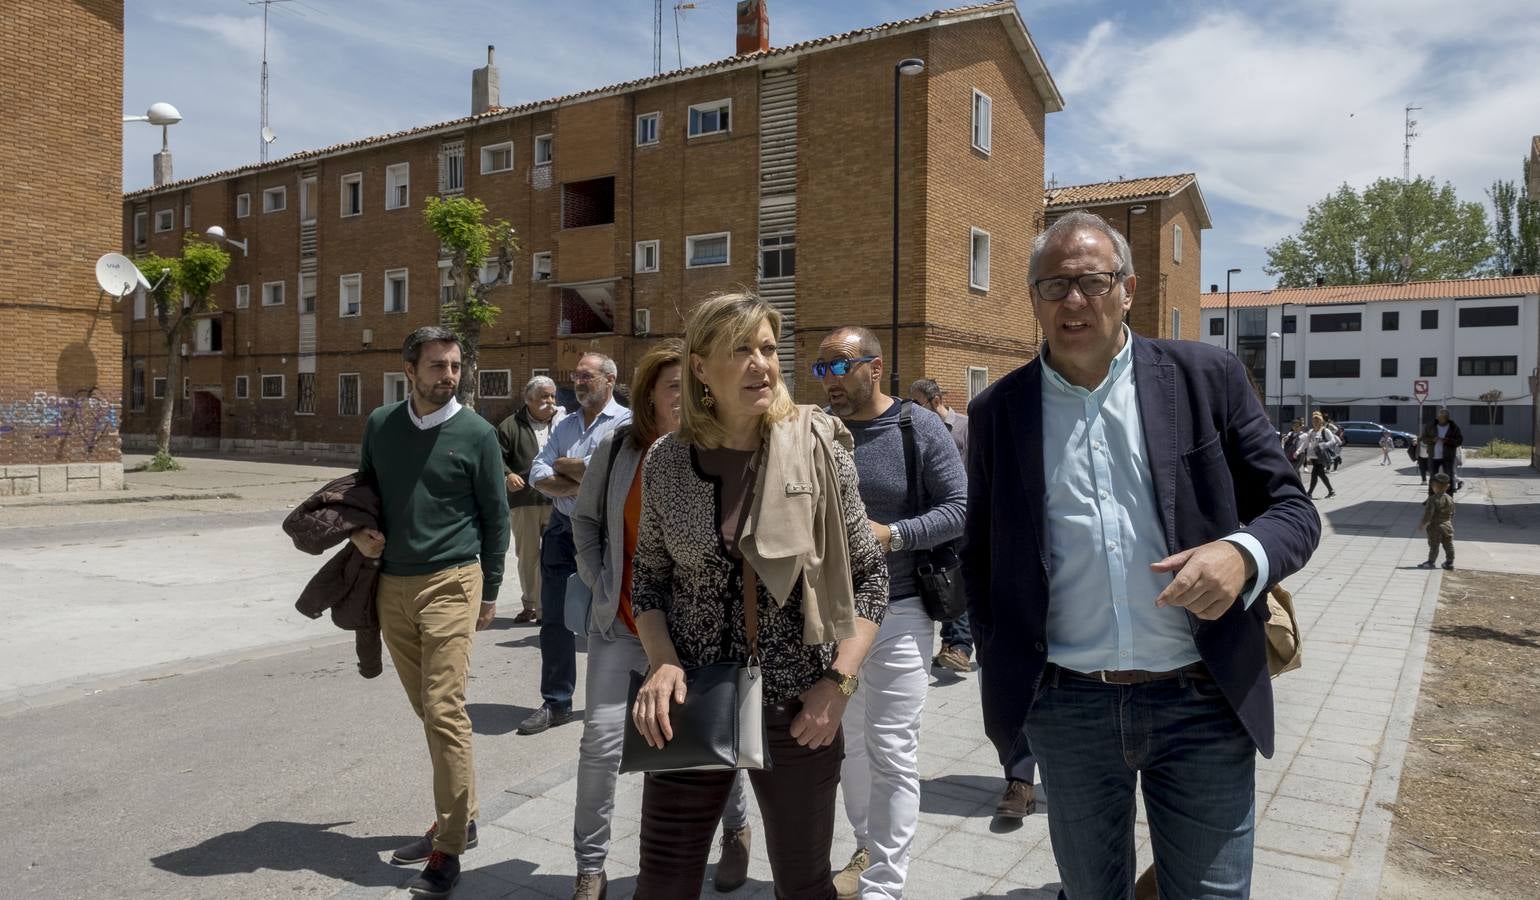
[678, 50]
[1406, 146]
[657, 37]
[267, 133]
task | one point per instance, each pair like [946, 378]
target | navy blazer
[1217, 467]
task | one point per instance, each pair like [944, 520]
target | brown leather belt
[1137, 676]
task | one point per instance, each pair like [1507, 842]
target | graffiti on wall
[46, 416]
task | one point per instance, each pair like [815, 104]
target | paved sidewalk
[1343, 721]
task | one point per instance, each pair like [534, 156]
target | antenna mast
[1406, 146]
[657, 37]
[264, 133]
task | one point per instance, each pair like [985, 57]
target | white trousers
[880, 776]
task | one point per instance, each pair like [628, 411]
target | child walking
[1386, 442]
[1438, 521]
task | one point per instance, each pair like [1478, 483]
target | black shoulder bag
[939, 569]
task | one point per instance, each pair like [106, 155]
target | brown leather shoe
[733, 867]
[955, 658]
[847, 881]
[526, 617]
[1018, 801]
[594, 886]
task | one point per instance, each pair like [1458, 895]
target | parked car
[1368, 433]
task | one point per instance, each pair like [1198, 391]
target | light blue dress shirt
[1104, 531]
[571, 438]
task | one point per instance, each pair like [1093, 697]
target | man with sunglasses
[558, 473]
[1129, 503]
[880, 775]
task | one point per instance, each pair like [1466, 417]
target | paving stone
[1321, 790]
[1302, 840]
[1325, 816]
[1269, 883]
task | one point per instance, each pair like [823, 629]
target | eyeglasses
[583, 377]
[1091, 284]
[840, 367]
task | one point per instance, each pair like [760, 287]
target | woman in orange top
[604, 530]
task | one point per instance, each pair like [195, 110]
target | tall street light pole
[1229, 325]
[900, 69]
[1277, 340]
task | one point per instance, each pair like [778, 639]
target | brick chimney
[484, 89]
[753, 27]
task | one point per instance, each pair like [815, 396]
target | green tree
[1394, 231]
[460, 225]
[1515, 227]
[181, 296]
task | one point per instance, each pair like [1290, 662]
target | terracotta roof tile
[1455, 289]
[1158, 187]
[1045, 86]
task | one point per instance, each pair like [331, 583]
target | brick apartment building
[1163, 219]
[60, 373]
[769, 169]
[1534, 377]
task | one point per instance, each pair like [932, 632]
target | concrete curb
[86, 500]
[1366, 861]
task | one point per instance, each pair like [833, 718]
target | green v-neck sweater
[443, 502]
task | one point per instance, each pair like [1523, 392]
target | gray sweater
[884, 488]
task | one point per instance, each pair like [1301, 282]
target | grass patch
[1500, 449]
[162, 462]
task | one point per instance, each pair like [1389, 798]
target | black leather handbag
[938, 571]
[720, 724]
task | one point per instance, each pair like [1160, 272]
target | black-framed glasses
[1091, 284]
[840, 367]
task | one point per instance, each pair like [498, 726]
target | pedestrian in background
[604, 532]
[956, 636]
[1438, 521]
[1320, 442]
[750, 474]
[1387, 443]
[1335, 461]
[523, 435]
[1443, 439]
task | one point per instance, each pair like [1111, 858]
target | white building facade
[1360, 352]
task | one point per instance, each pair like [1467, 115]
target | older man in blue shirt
[1128, 505]
[558, 473]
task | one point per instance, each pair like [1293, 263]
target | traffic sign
[1420, 389]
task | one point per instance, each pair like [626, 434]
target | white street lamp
[165, 115]
[218, 234]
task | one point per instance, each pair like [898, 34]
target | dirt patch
[1467, 820]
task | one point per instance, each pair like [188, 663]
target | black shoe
[438, 877]
[1426, 565]
[1330, 494]
[1449, 566]
[545, 718]
[422, 848]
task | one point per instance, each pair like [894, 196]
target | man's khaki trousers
[528, 523]
[428, 622]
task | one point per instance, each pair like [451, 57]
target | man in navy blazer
[1128, 506]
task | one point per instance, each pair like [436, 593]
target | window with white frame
[489, 275]
[398, 185]
[395, 291]
[242, 296]
[208, 335]
[647, 256]
[446, 284]
[186, 388]
[307, 294]
[141, 227]
[141, 303]
[158, 387]
[307, 199]
[275, 199]
[1176, 324]
[545, 149]
[978, 379]
[710, 118]
[165, 220]
[494, 384]
[646, 129]
[1176, 243]
[978, 260]
[702, 250]
[538, 373]
[352, 194]
[347, 394]
[186, 216]
[242, 387]
[983, 124]
[350, 295]
[451, 167]
[272, 293]
[395, 387]
[497, 158]
[540, 266]
[242, 205]
[272, 387]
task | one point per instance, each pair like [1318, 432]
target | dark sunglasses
[1091, 284]
[840, 367]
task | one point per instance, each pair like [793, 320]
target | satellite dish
[267, 135]
[117, 275]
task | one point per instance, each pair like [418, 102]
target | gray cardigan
[600, 561]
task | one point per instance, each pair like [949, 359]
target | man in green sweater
[438, 469]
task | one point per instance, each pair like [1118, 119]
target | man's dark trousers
[957, 634]
[1436, 466]
[558, 646]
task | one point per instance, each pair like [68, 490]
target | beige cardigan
[795, 528]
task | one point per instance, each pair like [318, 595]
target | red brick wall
[61, 86]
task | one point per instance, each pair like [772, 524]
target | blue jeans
[956, 634]
[558, 646]
[1180, 740]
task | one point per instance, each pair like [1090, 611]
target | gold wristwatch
[847, 683]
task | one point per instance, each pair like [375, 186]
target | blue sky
[1272, 104]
